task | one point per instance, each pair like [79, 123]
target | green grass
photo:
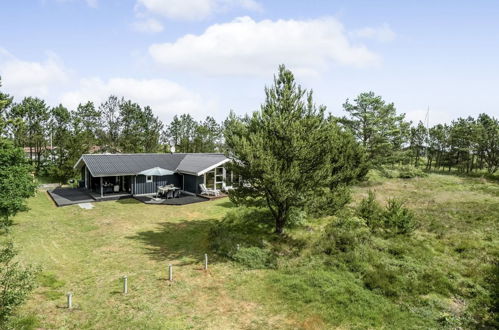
[45, 180]
[435, 278]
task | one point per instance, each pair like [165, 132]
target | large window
[209, 179]
[214, 178]
[219, 177]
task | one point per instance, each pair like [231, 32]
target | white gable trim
[206, 169]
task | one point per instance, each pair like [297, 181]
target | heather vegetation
[430, 262]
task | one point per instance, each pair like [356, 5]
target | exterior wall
[140, 186]
[192, 182]
[86, 177]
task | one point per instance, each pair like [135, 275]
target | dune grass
[88, 251]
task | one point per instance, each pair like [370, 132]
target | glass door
[219, 177]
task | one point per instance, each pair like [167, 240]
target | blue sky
[206, 57]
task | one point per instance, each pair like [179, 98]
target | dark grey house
[118, 173]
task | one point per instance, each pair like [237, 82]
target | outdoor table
[166, 189]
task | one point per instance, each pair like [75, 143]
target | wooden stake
[170, 273]
[70, 300]
[205, 261]
[125, 284]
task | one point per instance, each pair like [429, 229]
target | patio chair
[226, 188]
[169, 194]
[206, 191]
[176, 193]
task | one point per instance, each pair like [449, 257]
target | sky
[206, 57]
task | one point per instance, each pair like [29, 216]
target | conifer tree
[285, 153]
[378, 127]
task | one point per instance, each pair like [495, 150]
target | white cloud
[31, 78]
[193, 9]
[382, 33]
[165, 97]
[247, 47]
[150, 25]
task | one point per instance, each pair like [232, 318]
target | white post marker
[70, 300]
[170, 272]
[125, 284]
[205, 261]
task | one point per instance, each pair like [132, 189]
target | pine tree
[378, 127]
[488, 141]
[285, 152]
[417, 142]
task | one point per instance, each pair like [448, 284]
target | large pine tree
[285, 152]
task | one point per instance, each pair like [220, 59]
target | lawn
[88, 251]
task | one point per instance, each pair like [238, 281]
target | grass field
[88, 251]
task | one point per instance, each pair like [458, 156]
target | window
[214, 178]
[209, 179]
[219, 177]
[149, 178]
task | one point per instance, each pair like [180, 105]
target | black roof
[131, 164]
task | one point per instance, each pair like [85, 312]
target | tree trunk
[280, 221]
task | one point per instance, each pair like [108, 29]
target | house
[118, 173]
[46, 152]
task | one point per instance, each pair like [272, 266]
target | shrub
[370, 210]
[383, 279]
[254, 257]
[344, 234]
[247, 229]
[398, 219]
[395, 218]
[16, 282]
[388, 173]
[409, 172]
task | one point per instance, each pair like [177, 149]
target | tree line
[466, 144]
[55, 137]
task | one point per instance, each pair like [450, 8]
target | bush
[344, 235]
[371, 211]
[247, 229]
[409, 172]
[16, 282]
[381, 278]
[254, 257]
[403, 172]
[388, 173]
[398, 219]
[394, 219]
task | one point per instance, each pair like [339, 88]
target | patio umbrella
[156, 171]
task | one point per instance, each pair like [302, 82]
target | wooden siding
[192, 182]
[142, 187]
